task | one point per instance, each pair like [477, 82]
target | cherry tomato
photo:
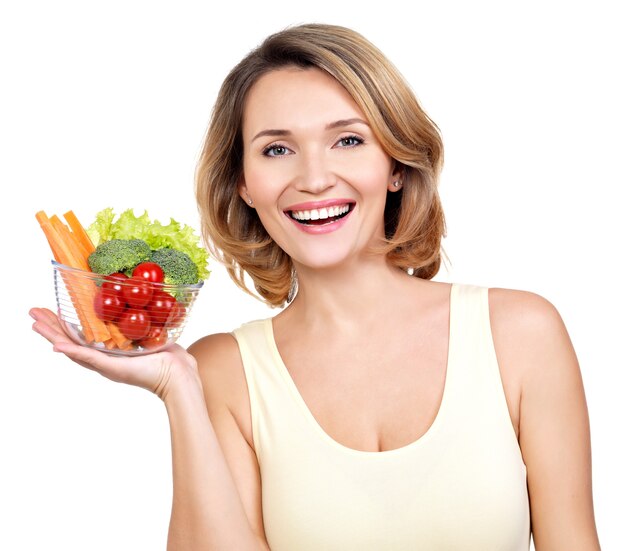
[134, 323]
[160, 307]
[114, 283]
[177, 315]
[150, 271]
[155, 338]
[108, 306]
[137, 292]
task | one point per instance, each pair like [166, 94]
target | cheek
[372, 166]
[372, 178]
[264, 187]
[263, 183]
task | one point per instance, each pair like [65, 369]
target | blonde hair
[414, 220]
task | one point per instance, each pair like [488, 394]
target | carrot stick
[82, 292]
[79, 232]
[116, 335]
[63, 255]
[50, 234]
[77, 255]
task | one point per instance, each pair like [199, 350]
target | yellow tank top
[461, 486]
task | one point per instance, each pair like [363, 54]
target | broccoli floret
[178, 268]
[118, 255]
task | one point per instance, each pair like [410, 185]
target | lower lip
[324, 228]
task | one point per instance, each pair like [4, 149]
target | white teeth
[320, 214]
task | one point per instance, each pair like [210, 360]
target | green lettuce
[128, 226]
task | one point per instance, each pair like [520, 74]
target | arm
[217, 487]
[532, 343]
[216, 502]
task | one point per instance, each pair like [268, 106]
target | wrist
[184, 383]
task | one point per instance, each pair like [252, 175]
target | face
[314, 171]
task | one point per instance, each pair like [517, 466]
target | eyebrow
[329, 126]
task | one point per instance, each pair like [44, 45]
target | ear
[242, 189]
[395, 183]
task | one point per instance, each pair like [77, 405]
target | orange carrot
[66, 250]
[81, 290]
[77, 255]
[63, 255]
[50, 234]
[79, 232]
[118, 338]
[84, 291]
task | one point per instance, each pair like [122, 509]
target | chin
[325, 260]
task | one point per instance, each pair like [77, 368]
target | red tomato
[156, 338]
[177, 315]
[160, 307]
[137, 292]
[108, 307]
[150, 271]
[114, 283]
[134, 323]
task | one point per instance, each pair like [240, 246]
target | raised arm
[216, 501]
[533, 344]
[217, 488]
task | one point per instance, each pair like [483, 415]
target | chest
[375, 391]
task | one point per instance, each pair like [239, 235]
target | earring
[396, 184]
[249, 201]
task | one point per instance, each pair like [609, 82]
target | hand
[154, 372]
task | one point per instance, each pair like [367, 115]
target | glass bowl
[121, 316]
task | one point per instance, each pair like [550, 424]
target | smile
[317, 217]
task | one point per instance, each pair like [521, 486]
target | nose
[315, 175]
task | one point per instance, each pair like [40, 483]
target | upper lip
[312, 205]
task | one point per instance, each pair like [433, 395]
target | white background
[105, 104]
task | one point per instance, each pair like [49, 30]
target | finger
[48, 325]
[52, 332]
[44, 315]
[116, 368]
[51, 316]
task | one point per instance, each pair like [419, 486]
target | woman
[378, 409]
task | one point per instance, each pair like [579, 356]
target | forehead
[293, 97]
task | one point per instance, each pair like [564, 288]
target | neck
[341, 298]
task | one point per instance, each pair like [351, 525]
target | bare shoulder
[216, 352]
[528, 327]
[522, 310]
[223, 380]
[532, 347]
[538, 361]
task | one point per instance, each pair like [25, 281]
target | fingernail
[32, 315]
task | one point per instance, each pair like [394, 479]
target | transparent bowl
[107, 314]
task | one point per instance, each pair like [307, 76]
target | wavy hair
[414, 219]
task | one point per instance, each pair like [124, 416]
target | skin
[217, 486]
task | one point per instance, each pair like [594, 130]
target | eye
[350, 141]
[275, 150]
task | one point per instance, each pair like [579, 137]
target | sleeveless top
[460, 486]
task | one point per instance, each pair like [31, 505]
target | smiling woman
[378, 409]
[375, 98]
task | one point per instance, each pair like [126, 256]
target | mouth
[322, 216]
